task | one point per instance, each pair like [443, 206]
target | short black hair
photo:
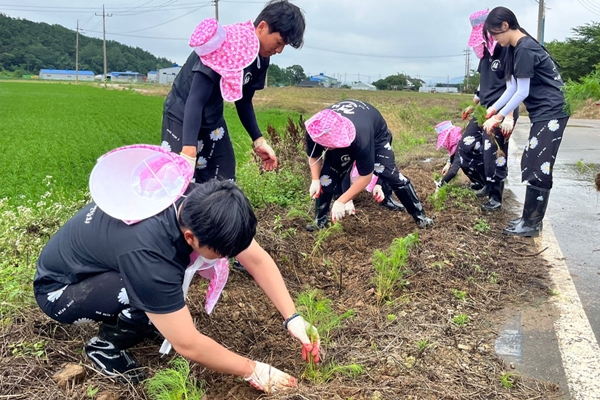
[286, 19]
[220, 216]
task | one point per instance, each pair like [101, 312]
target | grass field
[59, 130]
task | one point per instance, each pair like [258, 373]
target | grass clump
[390, 266]
[174, 383]
[325, 373]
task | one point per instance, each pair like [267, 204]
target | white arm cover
[511, 89]
[518, 97]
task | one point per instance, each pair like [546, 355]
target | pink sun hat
[330, 129]
[227, 50]
[448, 136]
[132, 183]
[477, 38]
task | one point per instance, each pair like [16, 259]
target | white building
[166, 76]
[152, 77]
[362, 86]
[65, 75]
[432, 89]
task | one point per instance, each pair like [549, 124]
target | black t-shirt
[151, 256]
[212, 109]
[492, 77]
[371, 133]
[545, 100]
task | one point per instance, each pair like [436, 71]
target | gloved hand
[315, 189]
[337, 211]
[467, 112]
[190, 160]
[507, 126]
[349, 207]
[491, 123]
[266, 154]
[269, 379]
[446, 168]
[298, 328]
[490, 111]
[438, 184]
[378, 193]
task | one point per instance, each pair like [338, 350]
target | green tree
[295, 74]
[397, 81]
[579, 55]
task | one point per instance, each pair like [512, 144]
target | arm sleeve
[518, 97]
[453, 169]
[245, 111]
[200, 92]
[511, 88]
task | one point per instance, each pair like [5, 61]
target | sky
[350, 39]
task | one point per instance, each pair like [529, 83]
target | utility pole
[467, 67]
[217, 10]
[104, 15]
[541, 18]
[77, 54]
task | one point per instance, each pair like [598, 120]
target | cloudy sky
[350, 39]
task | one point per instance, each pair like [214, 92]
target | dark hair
[220, 216]
[493, 25]
[286, 19]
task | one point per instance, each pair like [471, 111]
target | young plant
[508, 380]
[422, 345]
[482, 226]
[460, 319]
[438, 198]
[324, 234]
[479, 114]
[325, 373]
[459, 294]
[390, 266]
[92, 391]
[174, 383]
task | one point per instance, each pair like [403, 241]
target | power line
[378, 55]
[166, 22]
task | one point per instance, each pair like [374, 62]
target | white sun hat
[135, 182]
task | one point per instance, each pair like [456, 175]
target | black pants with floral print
[337, 164]
[470, 147]
[215, 158]
[540, 152]
[495, 162]
[99, 298]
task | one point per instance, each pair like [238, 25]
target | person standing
[228, 63]
[532, 78]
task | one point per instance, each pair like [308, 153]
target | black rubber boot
[475, 186]
[389, 202]
[484, 191]
[476, 177]
[534, 209]
[407, 195]
[108, 354]
[495, 197]
[322, 206]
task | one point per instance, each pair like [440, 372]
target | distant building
[152, 76]
[127, 76]
[325, 81]
[362, 86]
[166, 76]
[310, 84]
[431, 89]
[65, 75]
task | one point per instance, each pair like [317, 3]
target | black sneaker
[239, 267]
[113, 362]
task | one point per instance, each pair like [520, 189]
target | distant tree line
[30, 46]
[397, 82]
[289, 76]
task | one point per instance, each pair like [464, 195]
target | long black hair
[493, 26]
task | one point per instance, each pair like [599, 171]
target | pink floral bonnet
[330, 129]
[227, 50]
[448, 136]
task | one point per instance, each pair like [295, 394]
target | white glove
[337, 211]
[446, 168]
[378, 193]
[315, 189]
[298, 328]
[491, 123]
[350, 208]
[269, 379]
[507, 126]
[190, 160]
[490, 112]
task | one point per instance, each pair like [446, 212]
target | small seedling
[29, 349]
[482, 226]
[391, 317]
[554, 292]
[92, 391]
[508, 380]
[459, 294]
[460, 319]
[324, 234]
[422, 345]
[325, 373]
[390, 266]
[438, 198]
[174, 383]
[494, 277]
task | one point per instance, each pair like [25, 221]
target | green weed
[508, 380]
[91, 391]
[325, 373]
[174, 383]
[324, 234]
[482, 226]
[422, 345]
[459, 294]
[586, 88]
[460, 319]
[29, 349]
[390, 266]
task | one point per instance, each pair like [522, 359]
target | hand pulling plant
[480, 114]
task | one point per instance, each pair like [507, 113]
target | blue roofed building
[325, 81]
[66, 75]
[127, 76]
